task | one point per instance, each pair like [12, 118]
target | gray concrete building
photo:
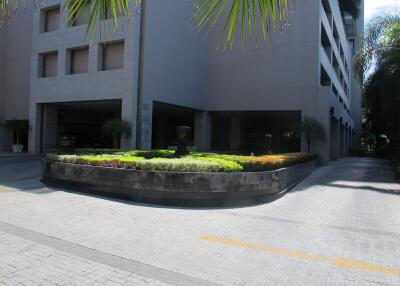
[158, 72]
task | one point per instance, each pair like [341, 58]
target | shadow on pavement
[365, 187]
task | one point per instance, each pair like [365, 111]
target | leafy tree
[313, 131]
[378, 65]
[115, 128]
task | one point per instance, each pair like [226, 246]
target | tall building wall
[174, 55]
[97, 82]
[174, 60]
[15, 55]
[18, 44]
[4, 137]
[2, 68]
[279, 76]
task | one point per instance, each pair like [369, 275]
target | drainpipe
[139, 112]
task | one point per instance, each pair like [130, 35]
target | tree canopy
[377, 64]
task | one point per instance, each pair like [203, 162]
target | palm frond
[235, 18]
[374, 43]
[242, 18]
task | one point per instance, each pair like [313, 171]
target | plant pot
[17, 148]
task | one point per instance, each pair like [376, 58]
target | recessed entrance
[81, 121]
[257, 131]
[166, 117]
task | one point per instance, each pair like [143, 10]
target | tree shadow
[364, 187]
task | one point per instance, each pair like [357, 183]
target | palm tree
[380, 57]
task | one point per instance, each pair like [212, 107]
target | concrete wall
[174, 55]
[3, 31]
[94, 85]
[174, 60]
[15, 51]
[4, 137]
[281, 76]
[178, 188]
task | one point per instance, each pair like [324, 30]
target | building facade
[157, 72]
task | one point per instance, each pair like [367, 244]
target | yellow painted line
[338, 262]
[3, 190]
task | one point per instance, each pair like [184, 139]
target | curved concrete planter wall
[180, 189]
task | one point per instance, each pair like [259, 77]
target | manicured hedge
[266, 162]
[179, 165]
[165, 160]
[112, 161]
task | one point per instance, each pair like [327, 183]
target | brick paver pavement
[341, 226]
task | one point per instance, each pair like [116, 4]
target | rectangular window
[81, 17]
[79, 60]
[335, 91]
[51, 19]
[49, 64]
[325, 80]
[328, 11]
[352, 47]
[336, 35]
[112, 56]
[325, 42]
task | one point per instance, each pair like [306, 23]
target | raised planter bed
[178, 189]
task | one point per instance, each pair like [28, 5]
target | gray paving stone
[349, 209]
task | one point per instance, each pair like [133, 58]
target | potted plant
[115, 128]
[18, 128]
[183, 135]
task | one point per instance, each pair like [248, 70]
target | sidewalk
[11, 154]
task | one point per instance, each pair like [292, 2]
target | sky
[374, 7]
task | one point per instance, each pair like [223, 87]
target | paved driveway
[341, 226]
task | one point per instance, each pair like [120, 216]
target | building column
[346, 140]
[334, 140]
[341, 139]
[349, 140]
[6, 139]
[202, 130]
[236, 133]
[35, 119]
[50, 127]
[128, 113]
[147, 125]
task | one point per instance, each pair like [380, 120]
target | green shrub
[226, 165]
[268, 162]
[101, 160]
[73, 159]
[155, 154]
[84, 151]
[130, 162]
[179, 165]
[194, 162]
